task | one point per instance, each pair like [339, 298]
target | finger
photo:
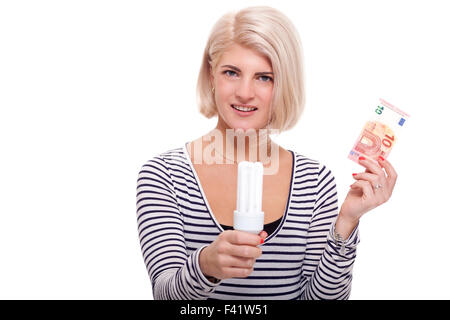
[263, 235]
[243, 238]
[239, 262]
[245, 251]
[371, 166]
[374, 168]
[232, 272]
[390, 171]
[373, 178]
[365, 187]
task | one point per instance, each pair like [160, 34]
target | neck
[236, 145]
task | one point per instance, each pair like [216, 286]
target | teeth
[243, 108]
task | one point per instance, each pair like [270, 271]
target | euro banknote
[380, 133]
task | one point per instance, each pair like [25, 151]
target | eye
[230, 73]
[265, 78]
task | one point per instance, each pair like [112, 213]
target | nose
[245, 90]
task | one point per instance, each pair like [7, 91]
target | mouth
[244, 109]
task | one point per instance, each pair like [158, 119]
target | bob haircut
[272, 34]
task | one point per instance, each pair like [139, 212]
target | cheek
[224, 89]
[266, 94]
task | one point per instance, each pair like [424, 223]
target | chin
[232, 122]
[246, 126]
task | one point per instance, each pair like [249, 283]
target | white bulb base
[249, 222]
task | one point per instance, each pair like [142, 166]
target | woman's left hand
[371, 189]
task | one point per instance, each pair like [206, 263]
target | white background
[90, 90]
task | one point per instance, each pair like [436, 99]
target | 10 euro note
[380, 133]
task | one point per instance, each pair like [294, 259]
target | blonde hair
[272, 34]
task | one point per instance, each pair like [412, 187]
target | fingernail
[381, 158]
[354, 174]
[262, 240]
[361, 158]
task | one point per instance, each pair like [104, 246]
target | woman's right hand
[231, 255]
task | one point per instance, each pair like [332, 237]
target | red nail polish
[262, 240]
[381, 158]
[354, 174]
[361, 158]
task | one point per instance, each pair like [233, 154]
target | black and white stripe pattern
[300, 259]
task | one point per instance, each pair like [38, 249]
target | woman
[251, 78]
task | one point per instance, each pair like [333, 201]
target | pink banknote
[380, 133]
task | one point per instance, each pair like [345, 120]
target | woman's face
[243, 79]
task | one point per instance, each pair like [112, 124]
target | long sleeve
[173, 274]
[327, 269]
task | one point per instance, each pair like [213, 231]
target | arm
[174, 274]
[331, 279]
[327, 270]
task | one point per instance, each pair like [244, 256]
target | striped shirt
[300, 259]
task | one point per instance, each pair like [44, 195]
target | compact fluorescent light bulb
[248, 215]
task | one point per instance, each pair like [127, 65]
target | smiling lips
[243, 108]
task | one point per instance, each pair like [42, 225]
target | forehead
[245, 58]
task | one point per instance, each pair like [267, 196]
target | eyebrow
[238, 70]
